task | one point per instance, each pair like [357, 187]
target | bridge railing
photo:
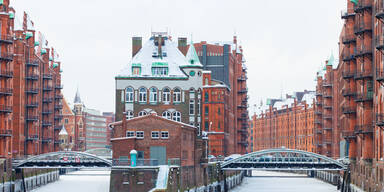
[139, 162]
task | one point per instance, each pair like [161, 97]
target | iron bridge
[282, 159]
[64, 159]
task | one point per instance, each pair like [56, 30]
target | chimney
[136, 45]
[182, 45]
[235, 40]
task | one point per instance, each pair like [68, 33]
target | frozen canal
[79, 181]
[282, 182]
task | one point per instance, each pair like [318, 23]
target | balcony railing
[47, 88]
[348, 134]
[242, 91]
[32, 137]
[348, 110]
[379, 75]
[31, 118]
[318, 113]
[327, 106]
[34, 77]
[46, 140]
[319, 94]
[6, 73]
[347, 39]
[326, 84]
[363, 97]
[47, 100]
[362, 27]
[348, 74]
[363, 74]
[328, 117]
[32, 63]
[58, 86]
[8, 39]
[364, 51]
[32, 104]
[242, 78]
[348, 92]
[348, 55]
[380, 119]
[317, 122]
[31, 90]
[46, 112]
[57, 128]
[364, 129]
[47, 76]
[58, 117]
[5, 109]
[6, 91]
[327, 128]
[6, 56]
[46, 123]
[379, 42]
[58, 97]
[345, 14]
[58, 106]
[363, 5]
[5, 133]
[327, 95]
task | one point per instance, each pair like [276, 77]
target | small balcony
[58, 117]
[328, 107]
[364, 51]
[363, 5]
[47, 88]
[348, 92]
[6, 74]
[364, 97]
[60, 106]
[32, 137]
[318, 113]
[243, 91]
[57, 128]
[47, 76]
[46, 112]
[6, 56]
[58, 86]
[319, 94]
[348, 55]
[31, 118]
[32, 63]
[380, 10]
[31, 77]
[363, 74]
[348, 110]
[347, 39]
[5, 133]
[327, 117]
[32, 105]
[361, 28]
[345, 14]
[364, 129]
[58, 97]
[319, 103]
[318, 122]
[46, 124]
[7, 39]
[346, 134]
[327, 128]
[327, 95]
[46, 140]
[379, 75]
[319, 131]
[5, 109]
[6, 91]
[379, 42]
[31, 90]
[242, 78]
[243, 143]
[380, 119]
[326, 84]
[58, 142]
[47, 100]
[348, 74]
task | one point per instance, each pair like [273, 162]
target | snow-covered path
[79, 181]
[282, 182]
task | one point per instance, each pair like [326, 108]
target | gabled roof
[192, 57]
[77, 97]
[63, 131]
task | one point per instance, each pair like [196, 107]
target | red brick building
[285, 122]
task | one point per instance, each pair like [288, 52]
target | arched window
[153, 95]
[129, 115]
[142, 94]
[206, 97]
[166, 114]
[142, 113]
[176, 116]
[129, 94]
[166, 95]
[176, 95]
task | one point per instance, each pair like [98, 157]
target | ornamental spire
[192, 56]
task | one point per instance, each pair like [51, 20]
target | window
[164, 134]
[129, 115]
[198, 107]
[192, 107]
[166, 95]
[130, 134]
[66, 121]
[160, 71]
[176, 95]
[155, 134]
[153, 95]
[206, 97]
[219, 111]
[206, 125]
[142, 113]
[176, 116]
[140, 134]
[206, 110]
[142, 94]
[129, 94]
[140, 154]
[166, 114]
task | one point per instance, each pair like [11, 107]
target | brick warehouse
[137, 94]
[30, 88]
[285, 122]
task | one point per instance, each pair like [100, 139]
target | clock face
[192, 73]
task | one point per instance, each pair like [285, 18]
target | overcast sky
[284, 42]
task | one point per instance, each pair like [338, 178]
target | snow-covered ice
[282, 182]
[79, 181]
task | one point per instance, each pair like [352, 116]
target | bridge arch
[283, 159]
[63, 159]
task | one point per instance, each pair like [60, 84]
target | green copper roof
[1, 2]
[28, 35]
[136, 64]
[159, 64]
[37, 43]
[355, 1]
[11, 15]
[192, 55]
[55, 65]
[331, 60]
[43, 51]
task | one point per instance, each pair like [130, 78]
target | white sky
[284, 42]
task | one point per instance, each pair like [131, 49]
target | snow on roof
[63, 131]
[192, 58]
[173, 59]
[18, 25]
[30, 25]
[309, 97]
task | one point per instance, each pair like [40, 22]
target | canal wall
[32, 181]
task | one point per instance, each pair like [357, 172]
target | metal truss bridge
[282, 159]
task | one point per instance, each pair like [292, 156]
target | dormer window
[136, 69]
[159, 68]
[155, 54]
[164, 54]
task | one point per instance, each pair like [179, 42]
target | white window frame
[130, 134]
[155, 132]
[129, 115]
[167, 115]
[142, 113]
[140, 134]
[129, 95]
[176, 116]
[166, 95]
[177, 95]
[165, 137]
[142, 95]
[153, 95]
[192, 107]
